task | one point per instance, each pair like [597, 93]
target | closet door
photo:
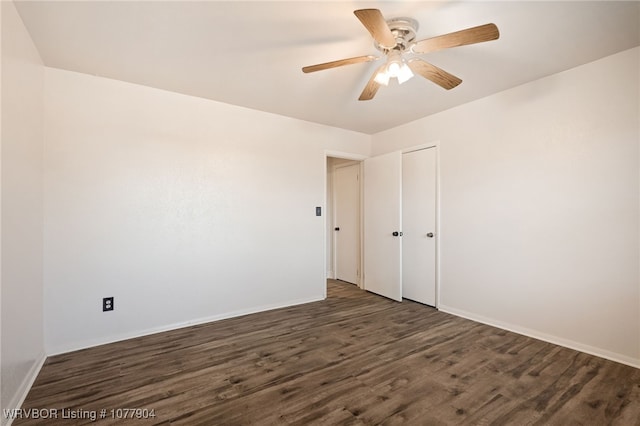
[382, 225]
[419, 226]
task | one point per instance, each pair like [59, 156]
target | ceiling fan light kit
[396, 67]
[395, 39]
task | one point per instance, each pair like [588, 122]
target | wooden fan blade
[375, 23]
[473, 35]
[433, 73]
[372, 86]
[339, 63]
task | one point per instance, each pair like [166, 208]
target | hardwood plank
[355, 358]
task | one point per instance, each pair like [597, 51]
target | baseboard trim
[18, 399]
[602, 353]
[62, 349]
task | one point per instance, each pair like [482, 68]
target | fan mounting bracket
[404, 31]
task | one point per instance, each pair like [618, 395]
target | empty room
[320, 212]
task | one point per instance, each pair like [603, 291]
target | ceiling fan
[395, 39]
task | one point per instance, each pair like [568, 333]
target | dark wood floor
[354, 358]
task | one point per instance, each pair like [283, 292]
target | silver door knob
[430, 235]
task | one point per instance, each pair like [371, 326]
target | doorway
[346, 222]
[344, 240]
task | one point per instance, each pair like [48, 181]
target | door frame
[346, 156]
[436, 146]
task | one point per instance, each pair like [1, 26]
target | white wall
[22, 171]
[540, 206]
[183, 209]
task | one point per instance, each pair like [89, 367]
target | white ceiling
[251, 53]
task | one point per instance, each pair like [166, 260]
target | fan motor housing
[404, 31]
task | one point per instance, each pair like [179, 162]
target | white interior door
[382, 207]
[346, 190]
[419, 226]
